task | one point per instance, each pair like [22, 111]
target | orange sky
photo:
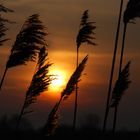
[62, 20]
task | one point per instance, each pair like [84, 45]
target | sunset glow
[59, 81]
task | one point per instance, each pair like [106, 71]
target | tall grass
[112, 68]
[28, 43]
[120, 87]
[3, 21]
[132, 11]
[52, 121]
[40, 82]
[85, 35]
[5, 9]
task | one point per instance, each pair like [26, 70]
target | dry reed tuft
[132, 11]
[121, 85]
[40, 82]
[86, 31]
[29, 41]
[3, 21]
[53, 119]
[85, 35]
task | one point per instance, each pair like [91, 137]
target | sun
[59, 80]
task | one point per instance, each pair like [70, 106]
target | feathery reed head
[42, 58]
[40, 81]
[28, 42]
[3, 27]
[74, 79]
[86, 31]
[52, 122]
[5, 9]
[121, 85]
[132, 11]
[84, 18]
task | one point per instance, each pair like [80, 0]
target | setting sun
[59, 81]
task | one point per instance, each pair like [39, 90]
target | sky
[62, 18]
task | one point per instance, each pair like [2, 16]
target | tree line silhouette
[31, 45]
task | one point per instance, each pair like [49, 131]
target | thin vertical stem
[112, 69]
[120, 69]
[6, 68]
[2, 80]
[76, 95]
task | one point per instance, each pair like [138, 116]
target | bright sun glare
[59, 80]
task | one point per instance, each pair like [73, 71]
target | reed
[27, 45]
[40, 82]
[131, 12]
[121, 86]
[3, 21]
[53, 118]
[85, 35]
[112, 67]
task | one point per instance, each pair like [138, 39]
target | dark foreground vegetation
[65, 132]
[86, 131]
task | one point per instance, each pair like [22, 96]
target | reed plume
[52, 121]
[132, 11]
[28, 43]
[120, 87]
[3, 21]
[112, 67]
[5, 9]
[85, 35]
[40, 82]
[86, 31]
[3, 29]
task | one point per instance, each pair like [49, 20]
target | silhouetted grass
[131, 12]
[112, 67]
[39, 83]
[85, 35]
[3, 22]
[52, 121]
[121, 86]
[29, 41]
